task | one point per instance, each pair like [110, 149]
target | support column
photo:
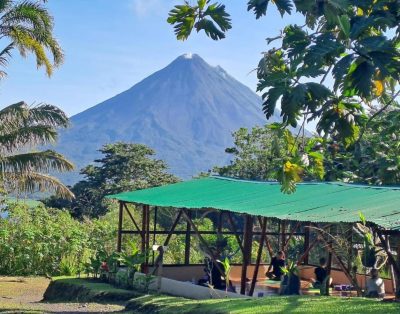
[259, 254]
[306, 242]
[283, 235]
[247, 243]
[187, 239]
[120, 217]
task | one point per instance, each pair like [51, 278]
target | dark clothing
[320, 274]
[213, 275]
[276, 265]
[216, 276]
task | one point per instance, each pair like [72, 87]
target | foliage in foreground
[43, 241]
[339, 68]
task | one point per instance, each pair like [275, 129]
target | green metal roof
[315, 202]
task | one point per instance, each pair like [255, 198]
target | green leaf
[271, 97]
[258, 6]
[361, 79]
[210, 29]
[341, 69]
[284, 6]
[219, 16]
[344, 23]
[201, 4]
[362, 218]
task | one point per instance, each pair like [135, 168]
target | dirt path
[23, 295]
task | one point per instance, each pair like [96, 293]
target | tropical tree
[124, 167]
[28, 27]
[23, 169]
[339, 68]
[259, 153]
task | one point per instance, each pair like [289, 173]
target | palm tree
[22, 168]
[29, 28]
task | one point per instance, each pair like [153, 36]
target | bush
[46, 241]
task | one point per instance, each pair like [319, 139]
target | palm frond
[30, 27]
[30, 136]
[49, 115]
[20, 115]
[5, 4]
[32, 182]
[28, 13]
[5, 54]
[44, 161]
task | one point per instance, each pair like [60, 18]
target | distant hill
[186, 112]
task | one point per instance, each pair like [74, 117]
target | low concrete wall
[339, 278]
[195, 272]
[187, 289]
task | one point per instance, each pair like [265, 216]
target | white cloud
[151, 7]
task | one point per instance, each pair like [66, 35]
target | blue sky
[112, 45]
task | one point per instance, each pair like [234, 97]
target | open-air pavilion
[312, 211]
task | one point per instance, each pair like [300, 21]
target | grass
[298, 304]
[21, 295]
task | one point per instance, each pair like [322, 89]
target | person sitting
[375, 285]
[213, 276]
[277, 263]
[321, 273]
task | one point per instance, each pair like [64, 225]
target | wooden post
[187, 240]
[247, 243]
[283, 235]
[143, 243]
[154, 230]
[220, 221]
[147, 233]
[392, 274]
[144, 233]
[259, 254]
[392, 261]
[306, 242]
[120, 217]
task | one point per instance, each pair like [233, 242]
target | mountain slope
[186, 112]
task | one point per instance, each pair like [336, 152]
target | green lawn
[302, 304]
[23, 295]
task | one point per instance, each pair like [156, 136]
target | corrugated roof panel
[316, 202]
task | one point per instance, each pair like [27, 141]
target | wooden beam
[306, 243]
[392, 274]
[267, 243]
[247, 242]
[259, 254]
[233, 225]
[283, 235]
[147, 207]
[120, 217]
[131, 217]
[341, 263]
[392, 261]
[167, 239]
[154, 230]
[307, 251]
[187, 240]
[291, 235]
[203, 242]
[220, 221]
